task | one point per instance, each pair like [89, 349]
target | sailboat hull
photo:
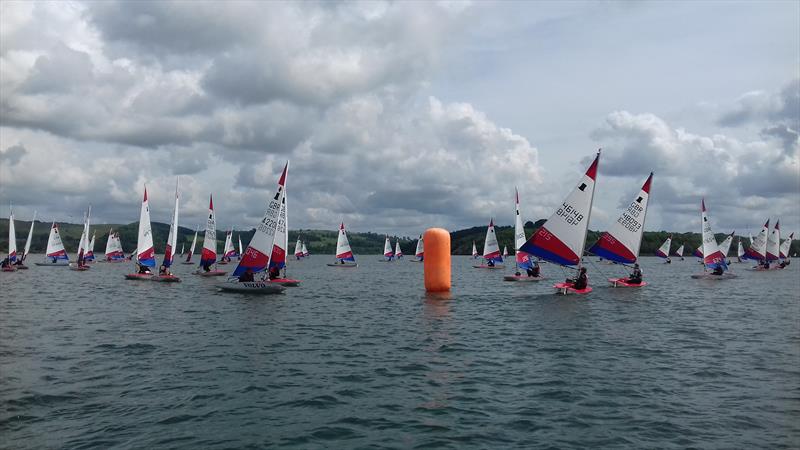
[708, 276]
[289, 282]
[566, 289]
[58, 264]
[623, 283]
[251, 287]
[166, 278]
[139, 276]
[484, 266]
[343, 265]
[212, 273]
[9, 269]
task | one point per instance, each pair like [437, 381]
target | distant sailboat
[562, 238]
[679, 252]
[239, 255]
[256, 257]
[388, 253]
[306, 254]
[56, 254]
[208, 257]
[622, 242]
[419, 253]
[398, 253]
[474, 251]
[491, 250]
[8, 265]
[663, 251]
[774, 243]
[21, 262]
[192, 247]
[786, 245]
[89, 257]
[739, 250]
[344, 255]
[227, 249]
[145, 252]
[505, 251]
[522, 260]
[725, 246]
[83, 244]
[298, 249]
[114, 248]
[758, 246]
[280, 247]
[164, 274]
[712, 256]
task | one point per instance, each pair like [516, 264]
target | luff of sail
[28, 240]
[523, 259]
[622, 242]
[562, 237]
[773, 243]
[257, 255]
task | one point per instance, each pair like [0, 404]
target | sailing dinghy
[83, 244]
[12, 245]
[758, 247]
[89, 257]
[663, 251]
[344, 255]
[114, 252]
[562, 238]
[786, 245]
[679, 252]
[521, 259]
[388, 253]
[419, 253]
[305, 251]
[145, 252]
[208, 257]
[278, 260]
[191, 248]
[398, 253]
[227, 250]
[622, 242]
[774, 244]
[474, 251]
[259, 252]
[21, 262]
[491, 250]
[712, 256]
[56, 254]
[298, 249]
[164, 274]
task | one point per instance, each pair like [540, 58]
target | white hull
[251, 287]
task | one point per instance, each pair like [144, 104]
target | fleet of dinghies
[262, 267]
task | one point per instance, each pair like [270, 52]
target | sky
[400, 116]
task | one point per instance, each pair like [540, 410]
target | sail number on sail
[629, 219]
[570, 214]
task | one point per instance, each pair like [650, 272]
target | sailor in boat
[636, 275]
[18, 262]
[581, 281]
[164, 271]
[533, 271]
[55, 260]
[274, 272]
[206, 267]
[718, 270]
[490, 263]
[144, 270]
[668, 261]
[247, 276]
[5, 263]
[765, 264]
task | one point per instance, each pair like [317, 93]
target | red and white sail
[663, 251]
[228, 251]
[12, 239]
[758, 246]
[209, 254]
[279, 249]
[474, 250]
[398, 253]
[259, 251]
[419, 253]
[387, 249]
[239, 237]
[83, 244]
[305, 250]
[562, 238]
[491, 249]
[739, 249]
[89, 256]
[679, 251]
[712, 257]
[172, 239]
[786, 245]
[774, 243]
[30, 237]
[113, 247]
[622, 242]
[343, 251]
[145, 253]
[298, 249]
[55, 247]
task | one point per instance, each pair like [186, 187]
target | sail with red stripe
[281, 239]
[663, 251]
[12, 239]
[773, 243]
[387, 249]
[298, 248]
[343, 251]
[113, 248]
[712, 256]
[678, 252]
[758, 246]
[55, 247]
[398, 253]
[622, 242]
[786, 245]
[562, 237]
[256, 256]
[419, 253]
[491, 249]
[89, 256]
[145, 253]
[208, 255]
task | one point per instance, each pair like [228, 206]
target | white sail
[239, 237]
[278, 258]
[679, 251]
[739, 249]
[28, 240]
[192, 247]
[758, 246]
[209, 254]
[622, 242]
[256, 256]
[773, 243]
[343, 251]
[712, 257]
[663, 251]
[298, 249]
[12, 239]
[491, 249]
[419, 253]
[474, 250]
[305, 250]
[786, 246]
[172, 238]
[725, 246]
[387, 249]
[145, 253]
[397, 252]
[55, 247]
[227, 249]
[519, 229]
[505, 251]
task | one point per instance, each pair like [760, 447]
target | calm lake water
[362, 358]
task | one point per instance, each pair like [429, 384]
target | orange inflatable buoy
[437, 260]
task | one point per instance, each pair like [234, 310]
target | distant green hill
[319, 242]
